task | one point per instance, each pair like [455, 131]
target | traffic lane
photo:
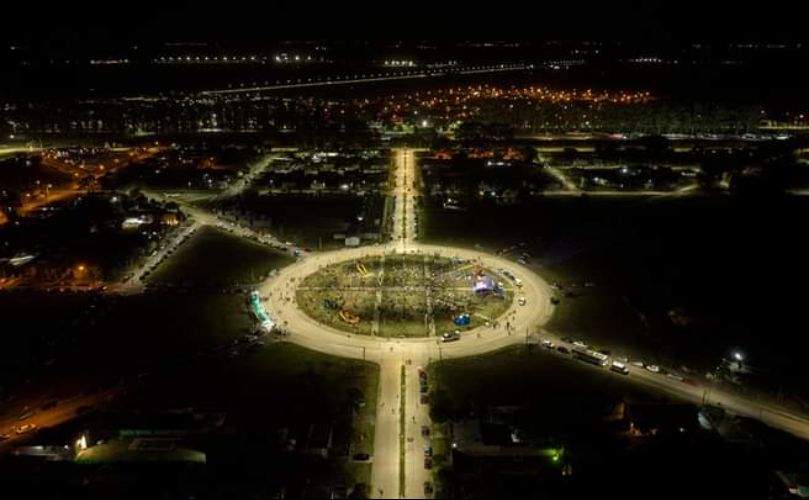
[280, 290]
[385, 471]
[693, 392]
[63, 412]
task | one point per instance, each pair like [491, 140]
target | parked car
[425, 431]
[619, 367]
[428, 463]
[22, 429]
[361, 457]
[548, 344]
[450, 336]
[563, 349]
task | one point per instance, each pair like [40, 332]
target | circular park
[395, 295]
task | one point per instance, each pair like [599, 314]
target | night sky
[58, 23]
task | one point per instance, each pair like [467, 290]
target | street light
[738, 356]
[81, 443]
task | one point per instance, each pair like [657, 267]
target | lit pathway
[393, 354]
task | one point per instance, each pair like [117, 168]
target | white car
[619, 367]
[521, 301]
[653, 368]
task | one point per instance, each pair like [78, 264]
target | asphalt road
[380, 77]
[38, 417]
[392, 354]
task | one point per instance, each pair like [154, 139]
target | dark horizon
[242, 22]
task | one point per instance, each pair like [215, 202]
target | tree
[655, 145]
[440, 406]
[529, 153]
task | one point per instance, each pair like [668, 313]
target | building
[660, 419]
[476, 438]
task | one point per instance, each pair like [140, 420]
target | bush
[360, 490]
[440, 406]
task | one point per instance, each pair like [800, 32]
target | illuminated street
[289, 250]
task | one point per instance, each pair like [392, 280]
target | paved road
[379, 77]
[199, 218]
[135, 283]
[61, 412]
[393, 354]
[253, 170]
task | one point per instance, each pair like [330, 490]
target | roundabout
[397, 466]
[512, 325]
[397, 469]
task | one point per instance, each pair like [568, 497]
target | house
[659, 419]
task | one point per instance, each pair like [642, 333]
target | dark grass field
[727, 263]
[214, 257]
[312, 221]
[569, 405]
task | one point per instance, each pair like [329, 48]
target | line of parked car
[602, 357]
[423, 387]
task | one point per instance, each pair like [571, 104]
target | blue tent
[462, 320]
